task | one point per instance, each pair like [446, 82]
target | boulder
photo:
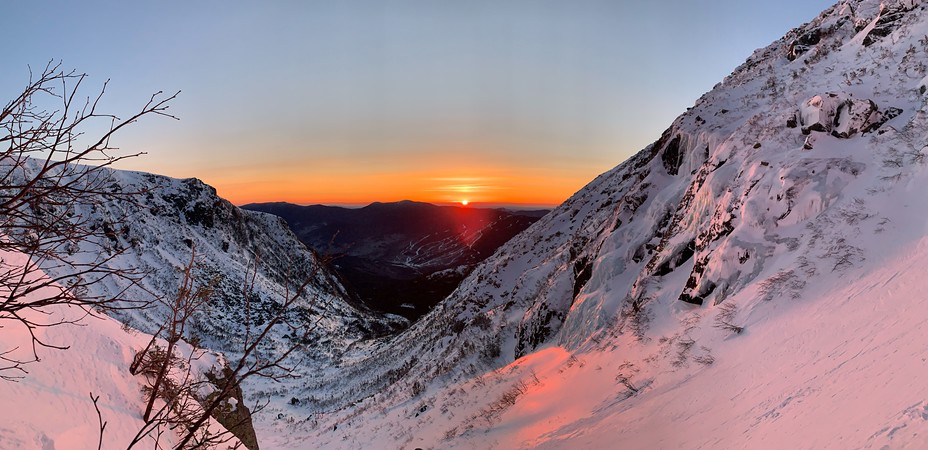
[839, 114]
[818, 112]
[881, 117]
[853, 115]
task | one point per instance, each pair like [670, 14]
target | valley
[404, 257]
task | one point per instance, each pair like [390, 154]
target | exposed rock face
[804, 43]
[671, 154]
[890, 18]
[817, 113]
[853, 115]
[232, 412]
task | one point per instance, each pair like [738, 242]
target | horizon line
[473, 204]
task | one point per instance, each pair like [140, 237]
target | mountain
[250, 260]
[402, 257]
[749, 280]
[157, 233]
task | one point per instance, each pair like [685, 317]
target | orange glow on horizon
[540, 188]
[486, 174]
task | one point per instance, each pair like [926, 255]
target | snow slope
[798, 378]
[787, 200]
[50, 406]
[157, 232]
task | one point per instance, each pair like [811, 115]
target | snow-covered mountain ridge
[157, 231]
[154, 230]
[779, 192]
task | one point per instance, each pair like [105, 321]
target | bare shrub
[784, 282]
[855, 212]
[573, 360]
[725, 318]
[637, 316]
[917, 157]
[416, 389]
[535, 380]
[185, 410]
[508, 398]
[52, 163]
[706, 358]
[893, 178]
[189, 300]
[684, 346]
[626, 371]
[450, 434]
[843, 254]
[806, 266]
[894, 159]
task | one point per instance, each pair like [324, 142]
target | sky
[350, 102]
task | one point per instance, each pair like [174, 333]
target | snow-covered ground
[49, 405]
[839, 369]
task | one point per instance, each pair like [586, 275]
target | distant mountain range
[402, 257]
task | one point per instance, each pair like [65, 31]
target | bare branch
[49, 174]
[99, 418]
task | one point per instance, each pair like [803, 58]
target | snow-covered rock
[804, 43]
[839, 114]
[853, 115]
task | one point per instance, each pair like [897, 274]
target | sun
[464, 202]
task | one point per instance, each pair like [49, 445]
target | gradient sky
[521, 101]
